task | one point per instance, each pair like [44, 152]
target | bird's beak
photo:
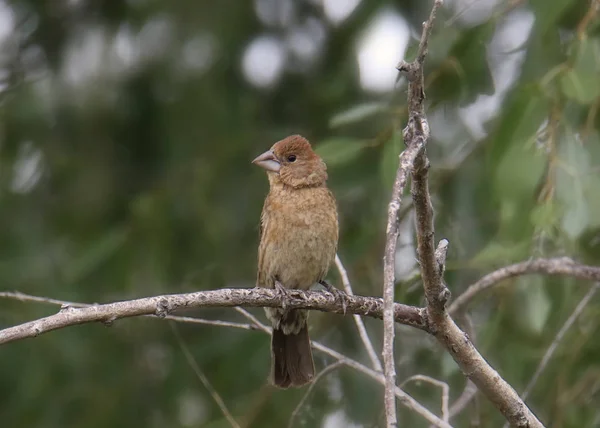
[268, 161]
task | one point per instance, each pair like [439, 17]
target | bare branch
[322, 374]
[464, 399]
[407, 163]
[443, 385]
[377, 304]
[407, 159]
[362, 331]
[202, 377]
[402, 396]
[456, 342]
[470, 390]
[227, 297]
[22, 297]
[563, 266]
[559, 336]
[254, 320]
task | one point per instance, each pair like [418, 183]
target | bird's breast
[299, 238]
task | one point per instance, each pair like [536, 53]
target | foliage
[127, 128]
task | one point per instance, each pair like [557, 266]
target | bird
[298, 242]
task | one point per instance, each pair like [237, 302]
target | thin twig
[322, 374]
[464, 399]
[563, 266]
[559, 336]
[402, 396]
[211, 390]
[442, 385]
[362, 331]
[253, 319]
[587, 19]
[407, 159]
[406, 165]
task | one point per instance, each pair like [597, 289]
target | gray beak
[268, 161]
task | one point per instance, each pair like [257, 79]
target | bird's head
[293, 162]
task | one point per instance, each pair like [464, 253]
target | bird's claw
[338, 294]
[283, 295]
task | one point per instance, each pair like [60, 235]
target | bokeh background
[126, 134]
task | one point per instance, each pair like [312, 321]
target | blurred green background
[126, 134]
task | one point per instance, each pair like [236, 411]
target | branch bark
[563, 266]
[98, 313]
[360, 325]
[408, 160]
[402, 396]
[228, 297]
[457, 343]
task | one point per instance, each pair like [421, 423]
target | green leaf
[545, 216]
[582, 82]
[522, 116]
[471, 44]
[533, 302]
[519, 172]
[497, 251]
[338, 151]
[97, 253]
[578, 184]
[548, 12]
[390, 159]
[591, 180]
[357, 113]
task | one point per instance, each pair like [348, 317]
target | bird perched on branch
[298, 242]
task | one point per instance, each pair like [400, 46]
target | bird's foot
[339, 295]
[283, 295]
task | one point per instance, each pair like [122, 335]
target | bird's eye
[291, 158]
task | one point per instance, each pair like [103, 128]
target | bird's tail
[291, 358]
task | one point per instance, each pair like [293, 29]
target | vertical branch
[407, 160]
[456, 342]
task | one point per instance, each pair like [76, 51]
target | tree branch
[407, 159]
[559, 336]
[407, 163]
[22, 297]
[442, 385]
[563, 266]
[321, 375]
[202, 377]
[402, 396]
[74, 314]
[362, 331]
[416, 134]
[372, 305]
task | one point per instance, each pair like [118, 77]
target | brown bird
[298, 242]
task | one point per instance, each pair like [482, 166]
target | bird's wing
[260, 280]
[335, 208]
